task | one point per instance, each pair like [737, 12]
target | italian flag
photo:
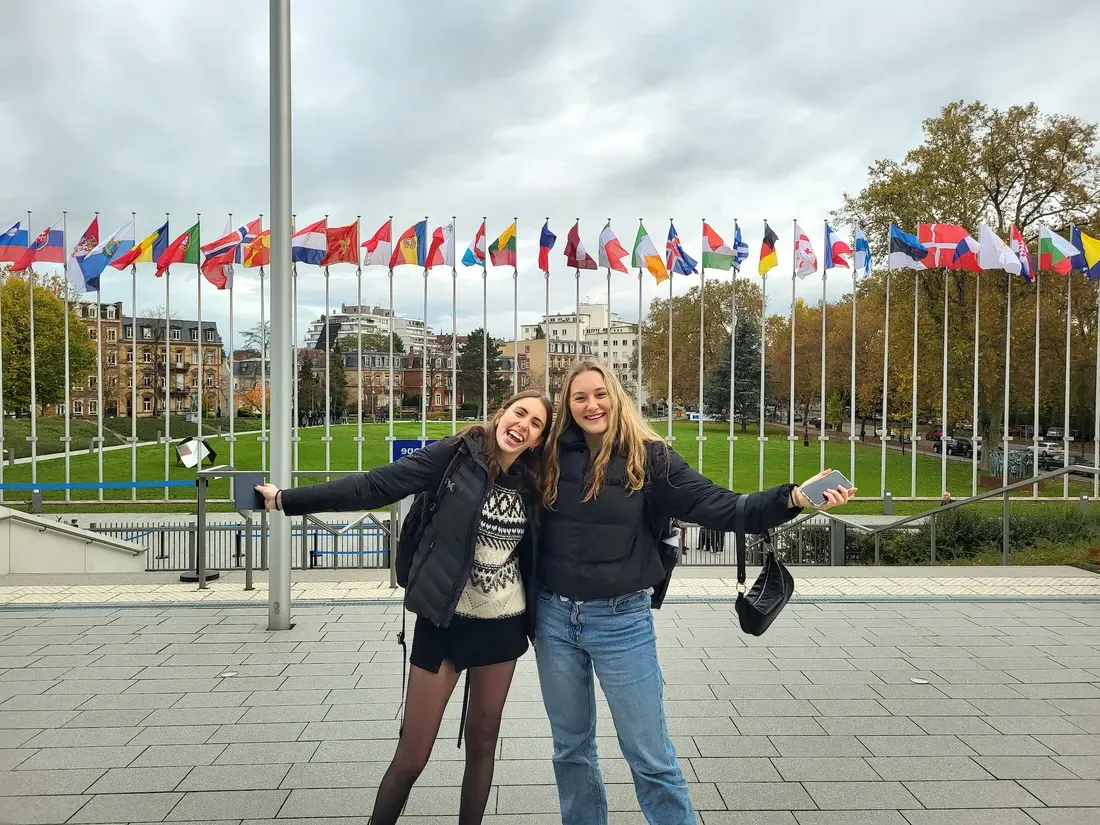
[1054, 251]
[716, 254]
[646, 257]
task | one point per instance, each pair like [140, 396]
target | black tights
[427, 699]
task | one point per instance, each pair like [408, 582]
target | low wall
[34, 545]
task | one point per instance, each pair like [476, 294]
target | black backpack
[417, 521]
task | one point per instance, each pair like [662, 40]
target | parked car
[963, 447]
[1055, 434]
[937, 446]
[1048, 447]
[1051, 460]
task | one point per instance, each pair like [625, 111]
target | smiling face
[520, 427]
[590, 403]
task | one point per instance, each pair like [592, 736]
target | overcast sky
[531, 109]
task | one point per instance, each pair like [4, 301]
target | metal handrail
[1000, 492]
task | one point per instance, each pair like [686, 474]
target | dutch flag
[310, 245]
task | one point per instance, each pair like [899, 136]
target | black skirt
[468, 642]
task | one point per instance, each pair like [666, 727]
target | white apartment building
[413, 332]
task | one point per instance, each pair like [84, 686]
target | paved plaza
[895, 710]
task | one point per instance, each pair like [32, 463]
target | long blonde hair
[627, 432]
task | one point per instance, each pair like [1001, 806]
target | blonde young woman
[469, 580]
[610, 484]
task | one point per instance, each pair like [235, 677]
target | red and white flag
[805, 261]
[379, 246]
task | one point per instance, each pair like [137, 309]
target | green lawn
[51, 429]
[116, 463]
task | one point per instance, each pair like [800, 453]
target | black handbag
[771, 591]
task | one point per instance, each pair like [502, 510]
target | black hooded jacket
[440, 566]
[608, 547]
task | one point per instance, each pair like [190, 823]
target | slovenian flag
[310, 245]
[13, 241]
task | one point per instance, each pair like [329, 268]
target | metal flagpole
[1035, 401]
[98, 381]
[297, 416]
[790, 417]
[359, 360]
[943, 400]
[485, 333]
[263, 373]
[761, 438]
[201, 354]
[546, 331]
[33, 437]
[1095, 406]
[133, 370]
[1066, 437]
[821, 419]
[610, 363]
[1008, 363]
[327, 438]
[3, 412]
[974, 414]
[389, 436]
[885, 387]
[454, 334]
[852, 400]
[232, 411]
[638, 377]
[668, 403]
[67, 439]
[913, 415]
[166, 331]
[515, 318]
[700, 438]
[278, 604]
[424, 363]
[733, 360]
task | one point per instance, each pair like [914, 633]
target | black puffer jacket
[608, 547]
[441, 565]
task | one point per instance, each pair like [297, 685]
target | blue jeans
[614, 638]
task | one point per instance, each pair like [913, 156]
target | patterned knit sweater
[495, 587]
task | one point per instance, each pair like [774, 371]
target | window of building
[92, 311]
[211, 357]
[110, 313]
[112, 336]
[129, 382]
[147, 333]
[128, 331]
[91, 382]
[438, 399]
[147, 357]
[78, 407]
[147, 381]
[91, 333]
[174, 334]
[209, 336]
[129, 356]
[179, 404]
[93, 407]
[179, 358]
[195, 334]
[147, 404]
[112, 359]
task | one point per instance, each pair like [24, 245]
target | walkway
[898, 712]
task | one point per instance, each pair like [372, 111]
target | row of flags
[935, 245]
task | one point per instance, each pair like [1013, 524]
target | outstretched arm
[683, 493]
[415, 473]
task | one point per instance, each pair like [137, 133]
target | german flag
[768, 258]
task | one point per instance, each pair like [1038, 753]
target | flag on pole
[965, 256]
[646, 257]
[343, 245]
[993, 253]
[74, 267]
[768, 259]
[1019, 248]
[906, 252]
[547, 239]
[1087, 262]
[677, 260]
[502, 251]
[475, 252]
[1055, 252]
[310, 245]
[442, 250]
[146, 252]
[183, 250]
[862, 257]
[942, 240]
[258, 253]
[379, 246]
[412, 246]
[48, 248]
[576, 255]
[218, 256]
[740, 248]
[611, 251]
[13, 241]
[251, 231]
[805, 261]
[118, 244]
[835, 249]
[716, 254]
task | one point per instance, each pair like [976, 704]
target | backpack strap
[404, 665]
[465, 707]
[739, 531]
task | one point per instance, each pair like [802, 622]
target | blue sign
[401, 447]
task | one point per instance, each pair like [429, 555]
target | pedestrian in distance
[466, 559]
[612, 485]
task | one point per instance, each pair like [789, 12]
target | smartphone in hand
[815, 490]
